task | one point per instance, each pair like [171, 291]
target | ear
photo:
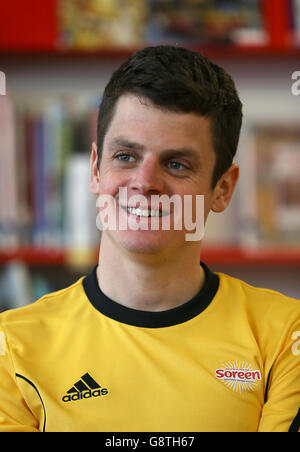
[224, 189]
[94, 172]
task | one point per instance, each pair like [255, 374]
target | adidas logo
[85, 388]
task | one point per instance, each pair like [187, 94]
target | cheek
[202, 206]
[106, 187]
[110, 181]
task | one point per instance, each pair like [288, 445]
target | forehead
[138, 120]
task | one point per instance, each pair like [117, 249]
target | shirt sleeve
[281, 412]
[15, 415]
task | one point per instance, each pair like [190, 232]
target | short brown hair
[179, 80]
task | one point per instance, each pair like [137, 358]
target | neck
[149, 282]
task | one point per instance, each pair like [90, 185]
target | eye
[173, 164]
[124, 157]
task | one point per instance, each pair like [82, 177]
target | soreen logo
[239, 377]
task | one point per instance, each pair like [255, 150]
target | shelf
[212, 255]
[264, 256]
[32, 29]
[34, 256]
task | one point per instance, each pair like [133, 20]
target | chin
[142, 242]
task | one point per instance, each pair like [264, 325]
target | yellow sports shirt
[227, 360]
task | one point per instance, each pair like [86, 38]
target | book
[94, 24]
[8, 175]
[35, 166]
[80, 214]
[97, 24]
[204, 22]
[270, 186]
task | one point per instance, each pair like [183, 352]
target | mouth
[147, 213]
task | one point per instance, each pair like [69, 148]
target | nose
[148, 177]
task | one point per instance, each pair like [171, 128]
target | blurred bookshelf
[115, 29]
[48, 134]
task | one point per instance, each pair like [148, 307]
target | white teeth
[143, 213]
[155, 213]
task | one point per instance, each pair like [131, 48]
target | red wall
[28, 24]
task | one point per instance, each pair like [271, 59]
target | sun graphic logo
[239, 376]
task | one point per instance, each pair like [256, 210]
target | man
[152, 340]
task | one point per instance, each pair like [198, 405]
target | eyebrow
[180, 152]
[123, 142]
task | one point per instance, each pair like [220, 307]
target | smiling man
[152, 340]
[153, 151]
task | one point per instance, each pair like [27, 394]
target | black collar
[149, 319]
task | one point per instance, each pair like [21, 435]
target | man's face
[150, 151]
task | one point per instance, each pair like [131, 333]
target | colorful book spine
[8, 175]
